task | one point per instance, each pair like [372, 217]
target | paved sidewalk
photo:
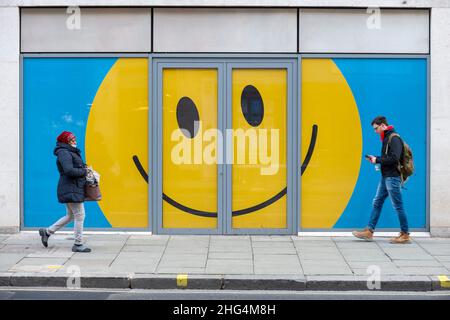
[226, 262]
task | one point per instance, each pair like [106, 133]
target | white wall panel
[225, 30]
[364, 31]
[101, 30]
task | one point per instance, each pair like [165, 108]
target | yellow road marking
[182, 280]
[445, 281]
[54, 267]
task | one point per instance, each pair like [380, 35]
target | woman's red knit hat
[65, 137]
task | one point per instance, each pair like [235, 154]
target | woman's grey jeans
[74, 211]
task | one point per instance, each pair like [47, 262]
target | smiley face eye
[252, 106]
[187, 115]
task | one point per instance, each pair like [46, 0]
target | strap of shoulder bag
[389, 140]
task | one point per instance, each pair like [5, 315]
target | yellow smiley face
[328, 183]
[259, 188]
[189, 96]
[117, 146]
[117, 133]
[259, 109]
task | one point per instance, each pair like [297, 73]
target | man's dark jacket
[72, 173]
[389, 162]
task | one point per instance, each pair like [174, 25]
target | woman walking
[72, 178]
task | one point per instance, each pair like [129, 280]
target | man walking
[390, 184]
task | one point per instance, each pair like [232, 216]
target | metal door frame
[224, 65]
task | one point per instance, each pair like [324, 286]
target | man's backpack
[406, 163]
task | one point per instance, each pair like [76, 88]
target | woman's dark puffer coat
[72, 173]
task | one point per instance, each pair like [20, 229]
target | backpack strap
[399, 161]
[390, 139]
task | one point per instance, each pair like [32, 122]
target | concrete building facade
[126, 75]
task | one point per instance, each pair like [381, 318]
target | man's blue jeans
[389, 186]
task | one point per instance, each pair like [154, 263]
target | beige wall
[440, 122]
[9, 120]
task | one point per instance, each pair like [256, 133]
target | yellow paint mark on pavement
[445, 281]
[54, 267]
[182, 280]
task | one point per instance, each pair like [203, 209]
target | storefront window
[340, 98]
[104, 102]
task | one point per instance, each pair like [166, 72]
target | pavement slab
[147, 242]
[125, 267]
[247, 255]
[219, 266]
[418, 263]
[184, 260]
[277, 264]
[442, 258]
[180, 270]
[271, 239]
[106, 237]
[426, 271]
[142, 256]
[357, 244]
[383, 271]
[39, 265]
[407, 254]
[366, 264]
[330, 267]
[314, 243]
[88, 262]
[299, 263]
[51, 253]
[230, 247]
[319, 256]
[83, 266]
[185, 248]
[143, 248]
[436, 249]
[25, 249]
[278, 250]
[367, 258]
[309, 239]
[229, 238]
[8, 260]
[84, 256]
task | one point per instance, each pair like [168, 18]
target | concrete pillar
[9, 120]
[440, 120]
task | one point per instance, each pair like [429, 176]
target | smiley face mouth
[201, 213]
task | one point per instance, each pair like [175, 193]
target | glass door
[258, 107]
[189, 157]
[222, 148]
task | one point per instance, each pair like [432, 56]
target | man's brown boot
[403, 237]
[366, 234]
